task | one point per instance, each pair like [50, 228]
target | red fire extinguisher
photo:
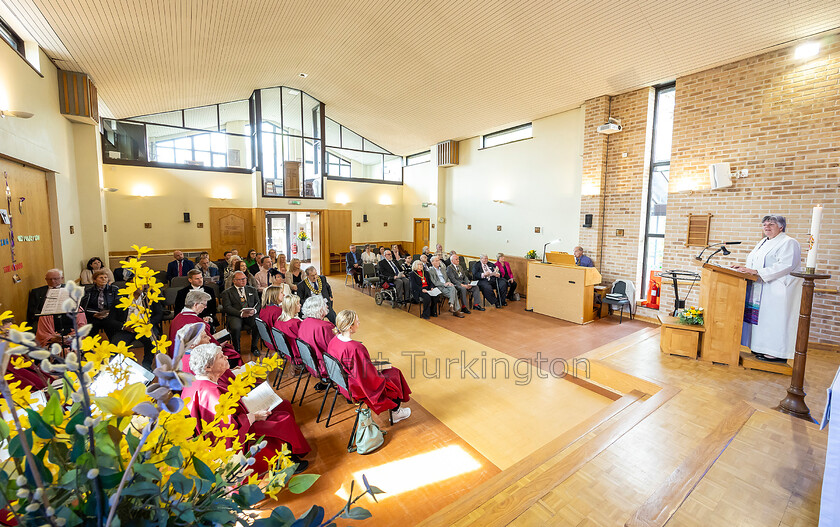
[294, 248]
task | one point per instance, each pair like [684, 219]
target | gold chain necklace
[311, 288]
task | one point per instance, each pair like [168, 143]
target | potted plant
[531, 255]
[693, 316]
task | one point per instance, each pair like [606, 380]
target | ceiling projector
[613, 126]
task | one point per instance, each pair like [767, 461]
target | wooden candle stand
[794, 403]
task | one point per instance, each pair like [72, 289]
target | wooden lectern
[723, 292]
[562, 291]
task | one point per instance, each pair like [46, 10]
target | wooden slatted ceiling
[405, 74]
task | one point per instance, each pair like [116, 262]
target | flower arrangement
[302, 236]
[531, 255]
[692, 316]
[132, 457]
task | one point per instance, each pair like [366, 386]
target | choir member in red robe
[271, 308]
[317, 331]
[278, 426]
[289, 323]
[194, 303]
[380, 390]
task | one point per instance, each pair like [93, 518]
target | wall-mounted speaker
[587, 220]
[364, 218]
[186, 217]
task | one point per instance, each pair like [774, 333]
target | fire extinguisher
[654, 294]
[294, 248]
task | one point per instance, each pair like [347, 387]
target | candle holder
[794, 403]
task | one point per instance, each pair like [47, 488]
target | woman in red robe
[271, 309]
[316, 331]
[195, 303]
[288, 324]
[381, 391]
[277, 426]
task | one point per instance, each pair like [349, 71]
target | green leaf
[110, 481]
[5, 432]
[203, 471]
[104, 445]
[376, 490]
[314, 516]
[219, 516]
[115, 435]
[133, 442]
[79, 448]
[52, 413]
[356, 513]
[202, 486]
[42, 429]
[38, 459]
[174, 458]
[301, 482]
[252, 494]
[141, 488]
[69, 477]
[148, 471]
[16, 447]
[283, 515]
[180, 483]
[77, 419]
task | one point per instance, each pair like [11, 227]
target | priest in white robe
[775, 294]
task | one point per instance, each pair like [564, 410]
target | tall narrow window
[660, 167]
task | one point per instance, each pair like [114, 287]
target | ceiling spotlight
[11, 113]
[303, 75]
[806, 50]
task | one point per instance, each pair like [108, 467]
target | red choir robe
[46, 327]
[290, 328]
[318, 334]
[270, 314]
[188, 316]
[280, 426]
[31, 376]
[377, 389]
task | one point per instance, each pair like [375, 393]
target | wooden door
[31, 227]
[230, 229]
[421, 234]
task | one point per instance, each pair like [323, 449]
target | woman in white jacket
[771, 319]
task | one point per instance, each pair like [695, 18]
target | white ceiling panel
[405, 74]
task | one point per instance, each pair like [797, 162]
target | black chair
[369, 277]
[338, 378]
[617, 297]
[179, 282]
[265, 335]
[282, 346]
[310, 363]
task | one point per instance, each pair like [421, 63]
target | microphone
[723, 249]
[545, 246]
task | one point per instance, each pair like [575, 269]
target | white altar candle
[814, 238]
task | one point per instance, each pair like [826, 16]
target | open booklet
[474, 282]
[434, 292]
[106, 383]
[261, 398]
[247, 312]
[54, 301]
[222, 335]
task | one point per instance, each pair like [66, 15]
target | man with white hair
[55, 280]
[315, 284]
[241, 303]
[440, 280]
[490, 282]
[459, 279]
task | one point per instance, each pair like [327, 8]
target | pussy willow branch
[116, 497]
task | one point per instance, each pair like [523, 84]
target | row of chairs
[275, 341]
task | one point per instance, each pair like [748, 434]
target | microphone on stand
[545, 246]
[722, 248]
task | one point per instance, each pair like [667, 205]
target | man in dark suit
[489, 281]
[354, 265]
[55, 280]
[393, 272]
[315, 284]
[581, 259]
[223, 264]
[196, 279]
[461, 281]
[178, 267]
[100, 298]
[236, 298]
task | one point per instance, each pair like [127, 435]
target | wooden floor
[626, 451]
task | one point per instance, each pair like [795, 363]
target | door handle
[571, 281]
[537, 276]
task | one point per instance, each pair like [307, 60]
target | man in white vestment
[775, 294]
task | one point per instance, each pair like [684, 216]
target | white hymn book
[262, 398]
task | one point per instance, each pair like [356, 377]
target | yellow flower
[20, 362]
[141, 250]
[6, 315]
[162, 344]
[121, 403]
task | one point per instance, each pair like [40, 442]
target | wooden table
[678, 338]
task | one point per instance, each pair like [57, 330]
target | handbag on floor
[516, 297]
[369, 436]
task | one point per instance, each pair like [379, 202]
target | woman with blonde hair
[271, 309]
[281, 264]
[381, 391]
[295, 274]
[289, 323]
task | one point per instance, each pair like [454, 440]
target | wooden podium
[723, 292]
[562, 291]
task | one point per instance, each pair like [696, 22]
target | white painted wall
[538, 181]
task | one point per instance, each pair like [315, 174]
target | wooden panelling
[231, 228]
[341, 231]
[698, 230]
[29, 219]
[421, 234]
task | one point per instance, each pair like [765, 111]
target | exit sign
[294, 202]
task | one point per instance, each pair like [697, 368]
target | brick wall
[593, 171]
[778, 118]
[773, 115]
